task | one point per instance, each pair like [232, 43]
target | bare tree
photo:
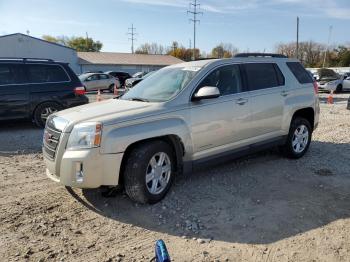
[151, 49]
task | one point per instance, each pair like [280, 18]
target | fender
[117, 139]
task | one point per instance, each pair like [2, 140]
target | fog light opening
[79, 173]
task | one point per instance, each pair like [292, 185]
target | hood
[107, 112]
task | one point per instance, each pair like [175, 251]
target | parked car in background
[139, 74]
[329, 80]
[346, 82]
[122, 76]
[131, 82]
[98, 81]
[88, 72]
[36, 88]
[183, 116]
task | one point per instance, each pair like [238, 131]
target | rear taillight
[316, 87]
[79, 90]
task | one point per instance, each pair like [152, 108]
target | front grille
[51, 141]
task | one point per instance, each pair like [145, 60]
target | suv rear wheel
[149, 172]
[299, 138]
[43, 111]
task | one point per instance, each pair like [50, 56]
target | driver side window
[226, 78]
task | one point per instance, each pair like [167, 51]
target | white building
[20, 46]
[131, 63]
[24, 46]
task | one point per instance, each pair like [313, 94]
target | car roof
[30, 60]
[203, 63]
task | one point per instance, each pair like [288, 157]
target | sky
[250, 25]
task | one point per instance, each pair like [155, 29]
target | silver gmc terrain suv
[182, 116]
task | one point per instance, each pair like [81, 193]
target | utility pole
[87, 41]
[132, 33]
[329, 42]
[297, 51]
[194, 6]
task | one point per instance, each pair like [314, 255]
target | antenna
[194, 6]
[329, 41]
[132, 34]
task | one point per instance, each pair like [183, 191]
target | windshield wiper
[139, 99]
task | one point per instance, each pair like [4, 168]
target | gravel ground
[259, 208]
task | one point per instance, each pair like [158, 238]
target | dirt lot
[258, 208]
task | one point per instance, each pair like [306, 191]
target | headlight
[85, 136]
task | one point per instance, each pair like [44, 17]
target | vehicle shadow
[258, 199]
[20, 137]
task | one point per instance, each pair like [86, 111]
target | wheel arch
[174, 141]
[35, 107]
[308, 113]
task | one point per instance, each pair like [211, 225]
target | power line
[194, 6]
[132, 34]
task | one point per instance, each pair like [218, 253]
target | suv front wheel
[299, 138]
[149, 172]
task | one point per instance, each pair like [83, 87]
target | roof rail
[241, 55]
[24, 59]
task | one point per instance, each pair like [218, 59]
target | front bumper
[96, 169]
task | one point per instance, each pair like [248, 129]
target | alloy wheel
[158, 173]
[300, 139]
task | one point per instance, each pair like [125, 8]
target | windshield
[162, 85]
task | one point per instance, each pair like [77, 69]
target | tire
[139, 167]
[43, 111]
[291, 148]
[339, 89]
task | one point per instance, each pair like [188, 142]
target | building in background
[24, 46]
[20, 45]
[131, 63]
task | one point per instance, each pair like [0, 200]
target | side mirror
[206, 92]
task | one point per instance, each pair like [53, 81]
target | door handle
[284, 93]
[241, 101]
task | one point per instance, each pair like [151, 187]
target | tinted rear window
[46, 73]
[263, 75]
[300, 73]
[11, 74]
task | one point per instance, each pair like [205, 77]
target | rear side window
[263, 75]
[300, 73]
[46, 74]
[11, 74]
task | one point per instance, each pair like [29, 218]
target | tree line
[81, 44]
[222, 50]
[311, 54]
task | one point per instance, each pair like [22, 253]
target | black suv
[122, 76]
[35, 88]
